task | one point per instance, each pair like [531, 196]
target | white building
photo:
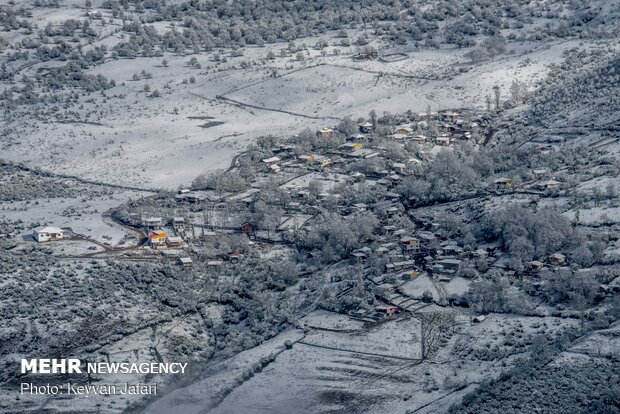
[47, 234]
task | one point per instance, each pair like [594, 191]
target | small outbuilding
[45, 234]
[185, 261]
[557, 259]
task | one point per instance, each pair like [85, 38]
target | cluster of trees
[253, 293]
[69, 27]
[529, 235]
[534, 385]
[72, 75]
[220, 181]
[205, 26]
[448, 176]
[10, 18]
[336, 236]
[586, 79]
[17, 185]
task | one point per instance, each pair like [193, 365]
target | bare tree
[496, 92]
[432, 325]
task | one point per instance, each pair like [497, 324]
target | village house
[391, 211]
[391, 196]
[405, 130]
[275, 168]
[372, 54]
[480, 253]
[271, 160]
[325, 133]
[443, 141]
[402, 265]
[557, 259]
[174, 242]
[306, 158]
[419, 138]
[152, 223]
[380, 251]
[448, 116]
[216, 262]
[393, 179]
[286, 148]
[185, 196]
[549, 185]
[536, 265]
[503, 182]
[322, 161]
[410, 244]
[358, 208]
[365, 128]
[351, 147]
[48, 234]
[235, 257]
[428, 238]
[447, 128]
[185, 261]
[450, 265]
[179, 225]
[363, 153]
[247, 228]
[387, 309]
[399, 168]
[389, 229]
[157, 239]
[452, 250]
[479, 319]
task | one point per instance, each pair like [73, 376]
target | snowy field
[82, 215]
[166, 141]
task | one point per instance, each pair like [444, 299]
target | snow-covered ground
[82, 215]
[159, 142]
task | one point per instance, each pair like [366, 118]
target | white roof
[175, 239]
[271, 160]
[185, 260]
[49, 229]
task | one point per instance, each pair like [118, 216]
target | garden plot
[500, 336]
[457, 286]
[221, 379]
[596, 215]
[383, 339]
[602, 343]
[330, 320]
[416, 287]
[82, 215]
[308, 380]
